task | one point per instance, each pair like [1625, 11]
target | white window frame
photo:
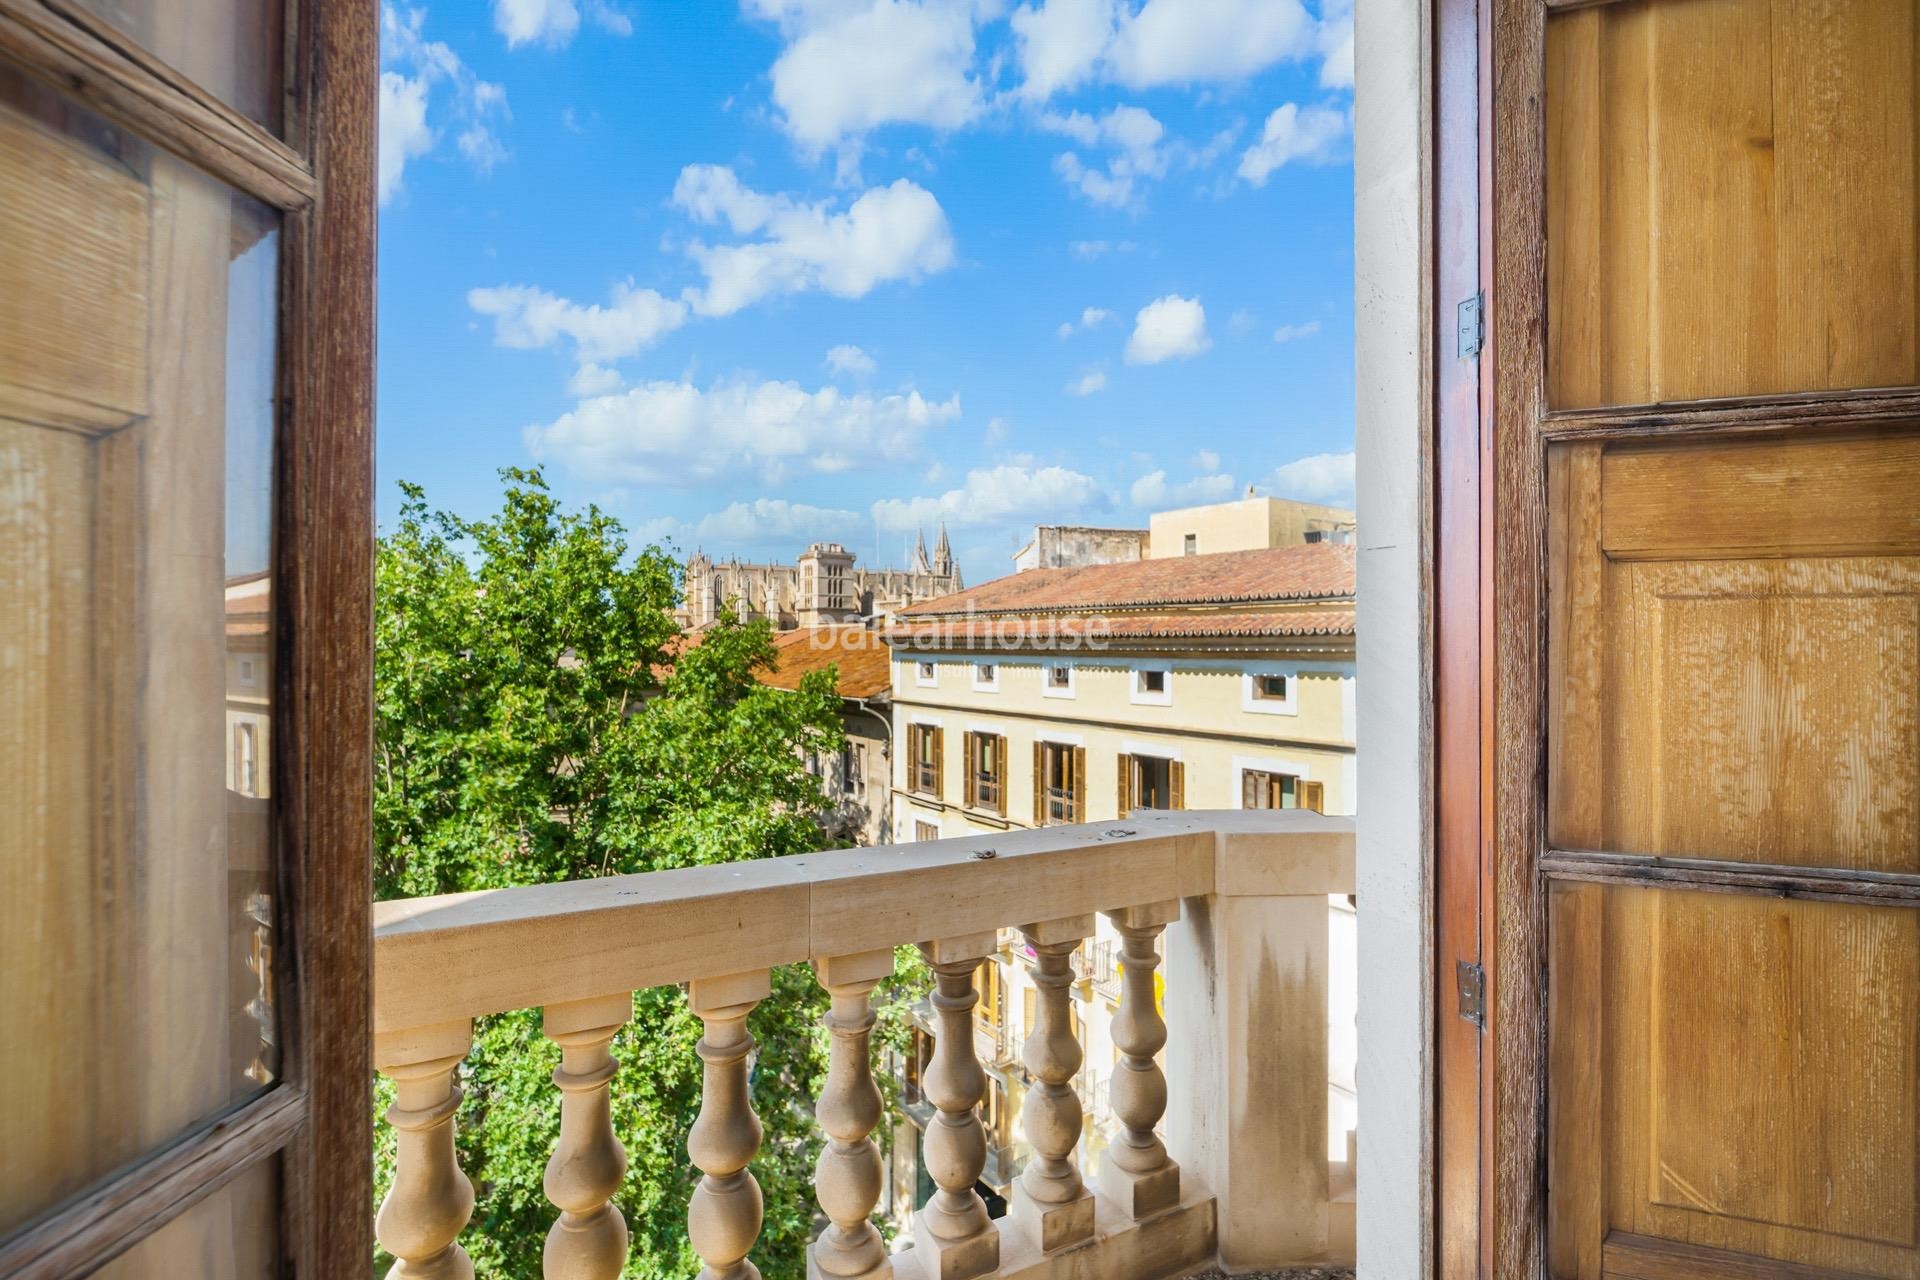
[992, 683]
[1140, 696]
[921, 680]
[1250, 699]
[1047, 687]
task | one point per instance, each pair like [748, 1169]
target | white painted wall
[1389, 123]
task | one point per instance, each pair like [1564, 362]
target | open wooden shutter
[1000, 775]
[1176, 785]
[969, 785]
[1079, 784]
[1123, 766]
[1313, 795]
[1039, 784]
[939, 764]
[1250, 789]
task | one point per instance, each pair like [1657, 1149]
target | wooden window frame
[1075, 801]
[985, 790]
[317, 1120]
[923, 779]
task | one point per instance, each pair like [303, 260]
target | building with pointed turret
[821, 588]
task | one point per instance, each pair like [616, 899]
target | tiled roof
[860, 654]
[1314, 571]
[1051, 631]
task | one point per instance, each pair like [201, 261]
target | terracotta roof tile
[1056, 633]
[1315, 571]
[860, 654]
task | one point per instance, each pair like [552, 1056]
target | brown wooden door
[1728, 857]
[185, 583]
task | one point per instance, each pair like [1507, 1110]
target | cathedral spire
[943, 554]
[920, 564]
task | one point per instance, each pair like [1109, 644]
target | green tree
[537, 719]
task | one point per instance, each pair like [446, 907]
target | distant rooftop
[1313, 571]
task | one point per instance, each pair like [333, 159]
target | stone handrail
[1238, 888]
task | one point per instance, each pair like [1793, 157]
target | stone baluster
[1051, 1204]
[589, 1240]
[850, 1176]
[1135, 1172]
[430, 1200]
[953, 1234]
[724, 1216]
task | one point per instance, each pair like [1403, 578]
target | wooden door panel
[1735, 1073]
[1713, 695]
[1727, 212]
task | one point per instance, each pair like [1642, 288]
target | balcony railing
[1242, 1177]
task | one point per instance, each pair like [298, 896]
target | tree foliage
[538, 719]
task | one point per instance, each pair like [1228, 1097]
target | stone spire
[943, 554]
[920, 564]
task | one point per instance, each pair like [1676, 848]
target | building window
[925, 831]
[246, 759]
[1269, 692]
[1260, 789]
[1059, 680]
[923, 759]
[1059, 783]
[246, 673]
[925, 676]
[1153, 687]
[986, 777]
[1151, 782]
[853, 767]
[1192, 545]
[986, 677]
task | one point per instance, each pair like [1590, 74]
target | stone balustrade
[1236, 901]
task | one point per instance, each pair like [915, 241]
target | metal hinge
[1473, 993]
[1471, 324]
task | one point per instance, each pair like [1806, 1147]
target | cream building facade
[1216, 681]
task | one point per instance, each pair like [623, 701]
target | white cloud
[1323, 477]
[422, 80]
[848, 358]
[1207, 460]
[526, 318]
[997, 431]
[1311, 135]
[1295, 332]
[594, 380]
[1060, 41]
[1198, 41]
[677, 433]
[1090, 250]
[1152, 492]
[771, 519]
[1169, 328]
[897, 232]
[1063, 44]
[1087, 383]
[551, 22]
[850, 66]
[995, 495]
[1136, 140]
[1090, 318]
[404, 134]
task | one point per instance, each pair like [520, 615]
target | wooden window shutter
[1176, 785]
[1313, 795]
[1123, 765]
[1079, 784]
[1249, 790]
[939, 770]
[1039, 784]
[1001, 773]
[968, 785]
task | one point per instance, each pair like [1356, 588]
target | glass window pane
[231, 48]
[231, 1235]
[137, 409]
[1732, 191]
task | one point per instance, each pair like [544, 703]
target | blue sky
[751, 275]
